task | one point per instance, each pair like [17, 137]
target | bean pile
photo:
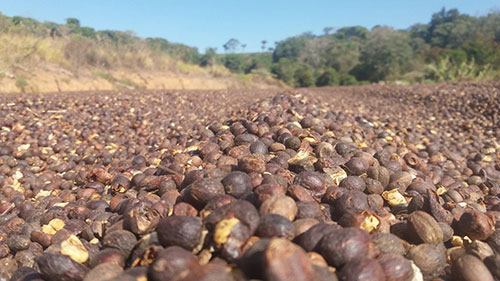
[349, 183]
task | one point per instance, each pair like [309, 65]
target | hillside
[452, 46]
[46, 57]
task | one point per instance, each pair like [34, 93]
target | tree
[347, 79]
[303, 77]
[342, 55]
[234, 62]
[243, 46]
[482, 51]
[253, 65]
[490, 25]
[314, 54]
[72, 22]
[231, 45]
[329, 77]
[290, 48]
[352, 32]
[28, 25]
[419, 31]
[52, 29]
[307, 35]
[175, 50]
[387, 53]
[452, 34]
[362, 71]
[263, 46]
[284, 70]
[450, 29]
[441, 17]
[457, 56]
[262, 61]
[208, 59]
[86, 31]
[327, 30]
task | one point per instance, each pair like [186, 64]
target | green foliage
[241, 63]
[446, 70]
[419, 30]
[347, 80]
[208, 59]
[85, 31]
[73, 22]
[343, 55]
[53, 28]
[352, 32]
[234, 62]
[72, 26]
[490, 26]
[457, 56]
[175, 50]
[252, 66]
[261, 60]
[110, 35]
[284, 70]
[483, 51]
[30, 23]
[23, 25]
[119, 38]
[362, 71]
[315, 53]
[84, 46]
[387, 53]
[290, 48]
[451, 46]
[329, 77]
[303, 77]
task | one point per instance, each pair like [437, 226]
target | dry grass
[50, 81]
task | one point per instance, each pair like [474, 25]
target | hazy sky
[211, 23]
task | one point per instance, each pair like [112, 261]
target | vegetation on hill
[452, 46]
[32, 50]
[74, 46]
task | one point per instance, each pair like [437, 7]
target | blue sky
[211, 23]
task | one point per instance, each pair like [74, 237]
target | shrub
[329, 77]
[347, 79]
[304, 77]
[234, 62]
[284, 70]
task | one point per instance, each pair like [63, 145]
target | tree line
[451, 46]
[84, 46]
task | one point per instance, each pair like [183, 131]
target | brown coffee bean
[172, 263]
[476, 225]
[284, 260]
[469, 267]
[60, 267]
[183, 231]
